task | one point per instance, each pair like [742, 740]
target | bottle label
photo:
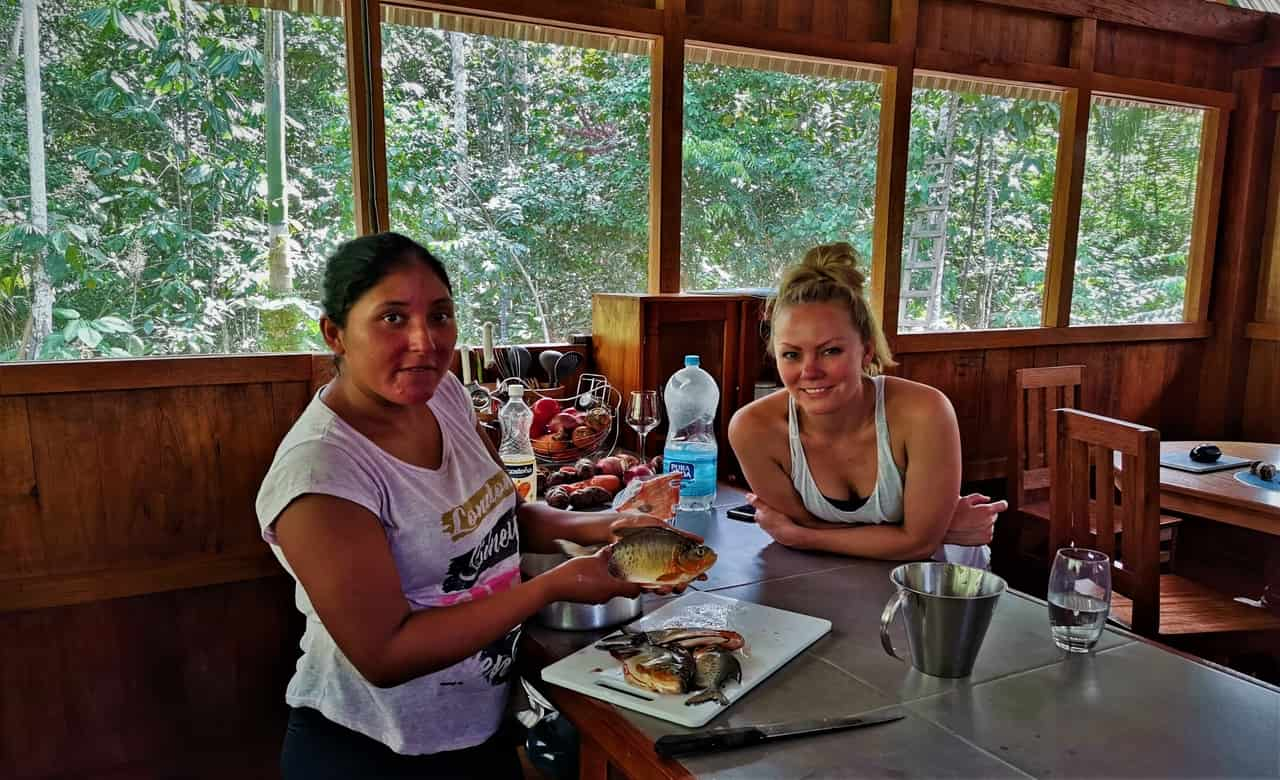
[697, 478]
[519, 470]
[686, 469]
[525, 477]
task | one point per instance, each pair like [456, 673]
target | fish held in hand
[652, 555]
[713, 668]
[658, 556]
[661, 669]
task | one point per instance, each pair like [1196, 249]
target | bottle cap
[691, 360]
[515, 390]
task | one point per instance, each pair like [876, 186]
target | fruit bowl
[582, 441]
[582, 425]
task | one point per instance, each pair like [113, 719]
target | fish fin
[576, 550]
[623, 533]
[671, 577]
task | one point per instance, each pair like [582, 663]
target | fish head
[697, 558]
[665, 670]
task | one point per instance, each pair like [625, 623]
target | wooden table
[1220, 497]
[1130, 708]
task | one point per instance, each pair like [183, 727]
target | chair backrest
[1087, 445]
[1036, 392]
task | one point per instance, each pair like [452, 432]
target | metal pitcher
[947, 609]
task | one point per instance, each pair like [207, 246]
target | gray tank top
[884, 505]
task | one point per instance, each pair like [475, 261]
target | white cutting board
[773, 637]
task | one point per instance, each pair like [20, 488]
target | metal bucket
[947, 609]
[571, 615]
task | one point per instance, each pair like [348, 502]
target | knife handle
[707, 741]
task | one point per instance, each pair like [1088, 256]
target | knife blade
[711, 740]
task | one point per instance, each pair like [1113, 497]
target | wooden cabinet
[639, 341]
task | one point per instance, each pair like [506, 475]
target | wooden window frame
[669, 26]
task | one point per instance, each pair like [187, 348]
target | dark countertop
[1131, 708]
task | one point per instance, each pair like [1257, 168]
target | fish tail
[710, 694]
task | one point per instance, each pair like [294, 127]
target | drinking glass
[643, 414]
[1079, 598]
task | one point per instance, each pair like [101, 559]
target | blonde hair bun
[839, 262]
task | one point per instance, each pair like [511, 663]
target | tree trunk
[986, 262]
[41, 317]
[461, 150]
[15, 48]
[962, 278]
[279, 326]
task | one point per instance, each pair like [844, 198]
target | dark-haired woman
[403, 533]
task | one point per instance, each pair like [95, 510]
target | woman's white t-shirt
[453, 534]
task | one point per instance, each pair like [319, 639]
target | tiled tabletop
[1129, 709]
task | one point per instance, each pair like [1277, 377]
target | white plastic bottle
[692, 399]
[516, 450]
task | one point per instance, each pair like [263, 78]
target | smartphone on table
[746, 513]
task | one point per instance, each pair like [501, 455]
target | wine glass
[643, 414]
[1079, 598]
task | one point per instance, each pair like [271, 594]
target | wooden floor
[1187, 607]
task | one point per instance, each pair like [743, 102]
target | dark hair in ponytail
[357, 266]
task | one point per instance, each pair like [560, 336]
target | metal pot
[570, 615]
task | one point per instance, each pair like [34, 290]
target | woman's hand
[973, 523]
[587, 580]
[781, 527]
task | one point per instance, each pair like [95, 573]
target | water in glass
[1079, 598]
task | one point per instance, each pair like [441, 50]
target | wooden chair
[1165, 606]
[1037, 392]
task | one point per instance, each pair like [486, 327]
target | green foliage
[156, 173]
[773, 164]
[1003, 154]
[557, 174]
[1136, 214]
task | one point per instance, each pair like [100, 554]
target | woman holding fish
[886, 484]
[403, 532]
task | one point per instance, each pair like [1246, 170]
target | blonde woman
[849, 460]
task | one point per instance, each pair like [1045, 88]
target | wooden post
[1224, 374]
[1073, 140]
[368, 132]
[666, 149]
[1204, 225]
[891, 166]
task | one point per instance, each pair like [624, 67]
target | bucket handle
[886, 620]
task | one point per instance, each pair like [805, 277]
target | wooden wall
[144, 620]
[1154, 383]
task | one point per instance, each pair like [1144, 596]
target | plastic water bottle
[692, 399]
[516, 450]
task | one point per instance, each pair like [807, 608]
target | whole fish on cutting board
[652, 555]
[630, 641]
[661, 669]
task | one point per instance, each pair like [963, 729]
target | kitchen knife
[726, 739]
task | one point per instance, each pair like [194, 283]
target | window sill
[1263, 331]
[906, 343]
